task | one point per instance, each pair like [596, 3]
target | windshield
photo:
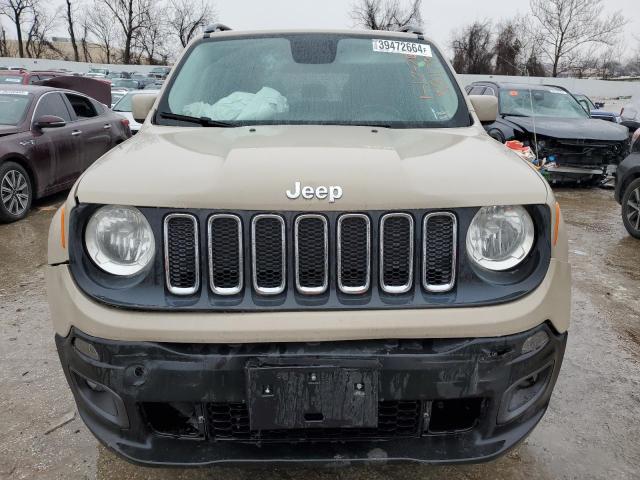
[316, 79]
[13, 107]
[11, 79]
[586, 100]
[550, 102]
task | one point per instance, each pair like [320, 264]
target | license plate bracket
[300, 397]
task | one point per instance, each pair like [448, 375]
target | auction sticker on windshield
[396, 46]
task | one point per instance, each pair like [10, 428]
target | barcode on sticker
[396, 46]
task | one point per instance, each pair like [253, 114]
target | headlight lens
[119, 240]
[500, 237]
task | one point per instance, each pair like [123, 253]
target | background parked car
[123, 107]
[555, 125]
[125, 83]
[48, 137]
[627, 192]
[160, 72]
[595, 109]
[25, 77]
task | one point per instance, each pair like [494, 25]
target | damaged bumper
[432, 401]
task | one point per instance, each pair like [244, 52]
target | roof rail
[216, 27]
[409, 28]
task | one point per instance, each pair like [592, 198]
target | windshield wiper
[204, 121]
[514, 115]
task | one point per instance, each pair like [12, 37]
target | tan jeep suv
[312, 251]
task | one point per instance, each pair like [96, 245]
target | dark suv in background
[549, 119]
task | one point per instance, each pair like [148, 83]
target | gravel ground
[591, 431]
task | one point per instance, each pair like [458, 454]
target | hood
[572, 128]
[241, 169]
[99, 90]
[8, 130]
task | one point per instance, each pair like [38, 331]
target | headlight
[119, 240]
[499, 238]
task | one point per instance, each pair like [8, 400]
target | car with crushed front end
[311, 252]
[48, 137]
[577, 148]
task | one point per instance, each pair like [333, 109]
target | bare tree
[507, 49]
[16, 10]
[386, 14]
[566, 26]
[4, 47]
[185, 18]
[41, 26]
[151, 39]
[100, 25]
[70, 19]
[131, 16]
[472, 48]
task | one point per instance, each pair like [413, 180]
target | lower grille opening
[456, 415]
[176, 419]
[396, 419]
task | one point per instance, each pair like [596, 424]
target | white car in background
[123, 107]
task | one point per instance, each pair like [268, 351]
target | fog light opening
[523, 394]
[86, 348]
[535, 342]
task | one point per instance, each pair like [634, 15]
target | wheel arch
[20, 160]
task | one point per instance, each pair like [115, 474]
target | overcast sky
[441, 17]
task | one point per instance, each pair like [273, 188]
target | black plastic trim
[147, 291]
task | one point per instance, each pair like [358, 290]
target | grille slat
[311, 254]
[268, 239]
[354, 253]
[182, 263]
[439, 252]
[225, 254]
[396, 252]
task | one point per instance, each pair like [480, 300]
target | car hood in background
[572, 128]
[99, 90]
[252, 168]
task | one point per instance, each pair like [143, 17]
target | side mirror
[485, 107]
[141, 105]
[49, 121]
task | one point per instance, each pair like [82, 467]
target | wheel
[16, 192]
[631, 208]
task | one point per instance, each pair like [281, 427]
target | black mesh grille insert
[182, 252]
[225, 249]
[230, 421]
[268, 255]
[439, 251]
[397, 251]
[311, 253]
[354, 256]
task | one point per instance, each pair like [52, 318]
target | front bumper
[438, 401]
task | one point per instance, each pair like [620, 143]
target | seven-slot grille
[312, 237]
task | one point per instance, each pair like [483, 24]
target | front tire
[16, 192]
[631, 208]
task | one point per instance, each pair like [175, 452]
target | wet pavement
[591, 431]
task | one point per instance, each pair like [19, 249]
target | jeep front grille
[295, 253]
[181, 257]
